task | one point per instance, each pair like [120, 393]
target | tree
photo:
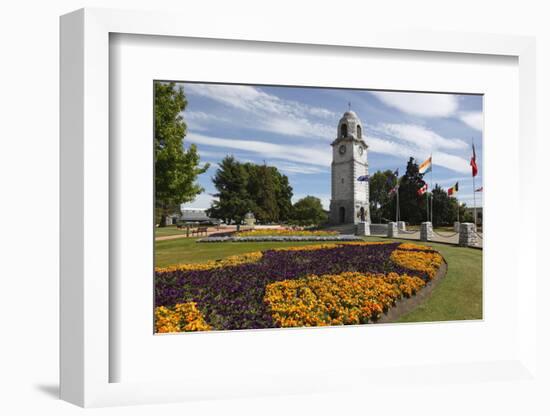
[442, 207]
[176, 168]
[233, 200]
[380, 199]
[284, 194]
[261, 189]
[412, 207]
[309, 211]
[244, 187]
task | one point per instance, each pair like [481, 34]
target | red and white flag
[423, 190]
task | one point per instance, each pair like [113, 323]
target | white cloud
[420, 104]
[474, 119]
[293, 168]
[270, 113]
[203, 200]
[198, 120]
[452, 162]
[420, 136]
[300, 154]
[405, 150]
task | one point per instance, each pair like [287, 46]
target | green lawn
[168, 230]
[457, 297]
[186, 250]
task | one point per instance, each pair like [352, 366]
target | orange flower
[179, 318]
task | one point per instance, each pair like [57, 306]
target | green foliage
[176, 168]
[233, 200]
[412, 207]
[380, 200]
[309, 211]
[244, 187]
[467, 216]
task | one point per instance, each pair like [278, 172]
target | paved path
[176, 236]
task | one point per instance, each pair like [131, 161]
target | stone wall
[363, 228]
[467, 236]
[392, 230]
[379, 229]
[426, 231]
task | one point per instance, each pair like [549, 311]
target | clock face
[360, 151]
[342, 149]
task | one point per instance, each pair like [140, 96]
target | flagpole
[427, 208]
[432, 187]
[397, 207]
[474, 190]
[458, 210]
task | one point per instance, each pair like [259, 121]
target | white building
[193, 214]
[349, 197]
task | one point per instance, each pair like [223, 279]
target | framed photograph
[283, 212]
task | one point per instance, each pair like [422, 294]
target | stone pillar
[467, 236]
[392, 229]
[363, 228]
[401, 226]
[456, 227]
[426, 231]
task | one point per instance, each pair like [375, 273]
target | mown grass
[458, 296]
[187, 250]
[168, 230]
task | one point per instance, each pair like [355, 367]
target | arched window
[358, 131]
[344, 130]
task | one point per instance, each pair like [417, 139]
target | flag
[363, 178]
[479, 189]
[426, 166]
[390, 179]
[452, 190]
[423, 190]
[473, 163]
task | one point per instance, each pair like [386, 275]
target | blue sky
[292, 128]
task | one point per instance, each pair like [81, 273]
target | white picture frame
[85, 211]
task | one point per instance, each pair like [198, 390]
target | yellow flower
[344, 299]
[214, 264]
[179, 318]
[421, 261]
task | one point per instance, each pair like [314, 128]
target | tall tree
[261, 189]
[244, 187]
[284, 193]
[412, 207]
[380, 200]
[176, 168]
[233, 200]
[442, 207]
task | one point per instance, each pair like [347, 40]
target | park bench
[200, 230]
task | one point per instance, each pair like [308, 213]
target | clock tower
[349, 202]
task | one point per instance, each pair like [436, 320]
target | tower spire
[349, 105]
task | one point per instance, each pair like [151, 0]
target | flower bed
[179, 318]
[423, 259]
[281, 238]
[343, 299]
[328, 284]
[284, 232]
